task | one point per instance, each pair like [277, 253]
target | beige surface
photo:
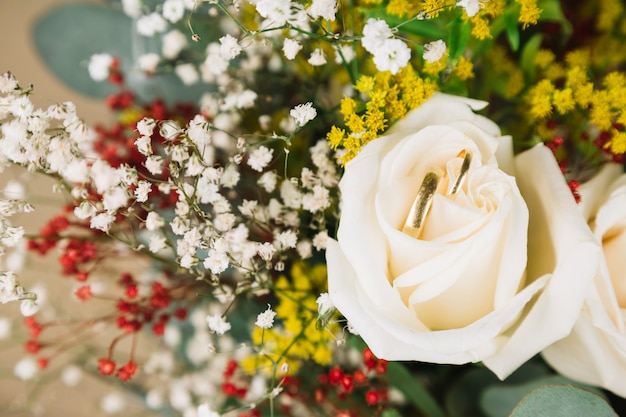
[19, 399]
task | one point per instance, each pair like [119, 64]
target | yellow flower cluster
[297, 339]
[390, 98]
[603, 105]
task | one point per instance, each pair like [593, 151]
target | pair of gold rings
[421, 205]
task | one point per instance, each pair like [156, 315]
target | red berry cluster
[34, 346]
[338, 385]
[236, 388]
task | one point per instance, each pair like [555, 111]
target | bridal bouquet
[328, 208]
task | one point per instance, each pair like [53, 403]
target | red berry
[372, 397]
[42, 363]
[83, 293]
[32, 346]
[106, 366]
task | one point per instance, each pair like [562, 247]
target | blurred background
[48, 395]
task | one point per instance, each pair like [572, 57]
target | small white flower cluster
[390, 54]
[164, 22]
[11, 290]
[54, 140]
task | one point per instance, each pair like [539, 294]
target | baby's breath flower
[317, 58]
[113, 403]
[265, 320]
[157, 243]
[303, 113]
[154, 221]
[172, 43]
[260, 158]
[320, 240]
[291, 48]
[29, 307]
[392, 56]
[471, 7]
[375, 32]
[173, 10]
[217, 324]
[268, 181]
[229, 47]
[98, 66]
[326, 9]
[286, 239]
[154, 164]
[151, 24]
[144, 145]
[8, 83]
[216, 262]
[433, 51]
[102, 221]
[148, 62]
[324, 303]
[276, 11]
[187, 73]
[26, 368]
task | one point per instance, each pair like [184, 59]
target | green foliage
[563, 401]
[459, 36]
[68, 35]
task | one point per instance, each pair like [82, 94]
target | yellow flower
[433, 7]
[540, 99]
[563, 100]
[610, 13]
[464, 69]
[335, 137]
[529, 13]
[617, 144]
[480, 28]
[544, 58]
[578, 58]
[365, 84]
[601, 114]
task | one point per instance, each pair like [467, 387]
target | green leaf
[66, 37]
[401, 379]
[464, 397]
[391, 412]
[562, 401]
[459, 35]
[529, 52]
[500, 400]
[512, 30]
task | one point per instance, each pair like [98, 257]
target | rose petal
[393, 338]
[559, 241]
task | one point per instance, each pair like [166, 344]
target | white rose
[595, 351]
[460, 292]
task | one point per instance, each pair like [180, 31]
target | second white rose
[457, 290]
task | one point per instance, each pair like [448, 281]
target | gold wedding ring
[415, 221]
[425, 195]
[467, 160]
